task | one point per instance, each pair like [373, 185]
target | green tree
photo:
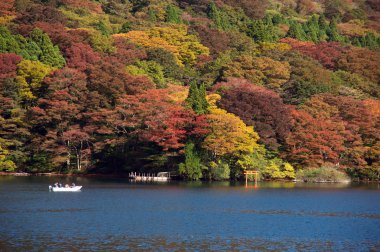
[151, 69]
[126, 27]
[101, 26]
[312, 30]
[332, 32]
[50, 54]
[8, 42]
[192, 167]
[220, 19]
[5, 164]
[152, 17]
[322, 23]
[167, 60]
[197, 98]
[220, 170]
[262, 32]
[173, 15]
[296, 31]
[370, 41]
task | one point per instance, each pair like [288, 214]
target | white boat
[65, 189]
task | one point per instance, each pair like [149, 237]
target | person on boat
[67, 186]
[60, 185]
[56, 184]
[72, 185]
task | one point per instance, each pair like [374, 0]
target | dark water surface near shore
[114, 215]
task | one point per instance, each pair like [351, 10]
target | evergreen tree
[213, 13]
[192, 167]
[101, 26]
[152, 17]
[322, 23]
[356, 42]
[197, 98]
[50, 54]
[8, 42]
[312, 29]
[29, 49]
[172, 15]
[37, 47]
[262, 31]
[126, 27]
[370, 41]
[277, 19]
[203, 100]
[332, 33]
[220, 19]
[296, 31]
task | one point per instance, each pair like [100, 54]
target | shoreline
[52, 174]
[126, 175]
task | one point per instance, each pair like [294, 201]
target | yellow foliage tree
[6, 19]
[259, 70]
[85, 18]
[4, 163]
[175, 39]
[30, 75]
[229, 135]
[177, 93]
[267, 46]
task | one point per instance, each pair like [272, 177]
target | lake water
[114, 215]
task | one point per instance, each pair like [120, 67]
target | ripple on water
[158, 243]
[309, 213]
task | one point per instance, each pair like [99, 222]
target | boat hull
[66, 189]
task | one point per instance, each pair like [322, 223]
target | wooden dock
[150, 177]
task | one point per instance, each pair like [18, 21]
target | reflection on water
[113, 214]
[109, 243]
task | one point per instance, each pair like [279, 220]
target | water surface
[112, 214]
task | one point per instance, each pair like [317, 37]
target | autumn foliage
[205, 89]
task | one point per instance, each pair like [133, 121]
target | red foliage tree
[58, 33]
[313, 141]
[57, 117]
[80, 56]
[327, 53]
[334, 129]
[43, 13]
[217, 41]
[111, 81]
[70, 80]
[7, 7]
[257, 106]
[322, 108]
[362, 117]
[153, 117]
[361, 61]
[157, 119]
[86, 4]
[127, 53]
[8, 65]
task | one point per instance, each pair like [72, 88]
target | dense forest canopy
[203, 88]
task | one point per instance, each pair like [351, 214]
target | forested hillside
[204, 88]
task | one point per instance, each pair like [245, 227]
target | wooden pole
[246, 179]
[256, 179]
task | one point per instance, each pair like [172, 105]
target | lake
[115, 215]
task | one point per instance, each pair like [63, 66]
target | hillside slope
[204, 88]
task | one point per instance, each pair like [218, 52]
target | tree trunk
[68, 155]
